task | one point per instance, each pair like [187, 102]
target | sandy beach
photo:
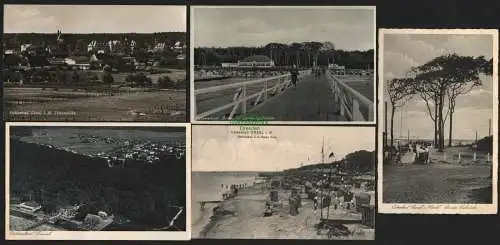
[242, 218]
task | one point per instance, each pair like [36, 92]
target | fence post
[195, 107]
[244, 105]
[371, 113]
[341, 104]
[265, 90]
[356, 113]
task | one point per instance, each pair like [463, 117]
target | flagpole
[321, 187]
[329, 188]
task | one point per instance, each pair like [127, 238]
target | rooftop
[257, 58]
[31, 204]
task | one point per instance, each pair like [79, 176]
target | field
[97, 103]
[443, 181]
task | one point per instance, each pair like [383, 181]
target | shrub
[165, 82]
[181, 84]
[139, 80]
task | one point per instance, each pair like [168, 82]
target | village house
[30, 206]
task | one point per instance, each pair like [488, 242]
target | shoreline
[242, 217]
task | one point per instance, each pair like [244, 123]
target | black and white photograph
[75, 181]
[438, 121]
[282, 64]
[93, 63]
[283, 182]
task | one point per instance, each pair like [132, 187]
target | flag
[331, 155]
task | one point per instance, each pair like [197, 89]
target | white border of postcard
[100, 235]
[191, 68]
[410, 208]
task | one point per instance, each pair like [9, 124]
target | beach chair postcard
[283, 64]
[438, 121]
[76, 181]
[275, 182]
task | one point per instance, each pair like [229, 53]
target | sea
[209, 186]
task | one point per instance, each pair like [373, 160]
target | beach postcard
[89, 181]
[438, 121]
[283, 182]
[283, 64]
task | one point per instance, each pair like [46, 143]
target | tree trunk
[441, 123]
[435, 122]
[451, 127]
[393, 112]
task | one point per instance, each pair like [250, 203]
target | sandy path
[445, 180]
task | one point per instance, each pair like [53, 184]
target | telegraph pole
[489, 127]
[321, 187]
[385, 123]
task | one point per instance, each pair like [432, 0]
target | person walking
[294, 73]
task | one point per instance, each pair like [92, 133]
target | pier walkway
[345, 95]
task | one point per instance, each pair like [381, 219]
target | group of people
[295, 72]
[420, 151]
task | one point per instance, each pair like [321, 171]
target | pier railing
[351, 104]
[242, 98]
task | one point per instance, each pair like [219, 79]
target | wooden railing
[351, 104]
[272, 86]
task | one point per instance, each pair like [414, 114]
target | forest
[301, 54]
[356, 162]
[55, 178]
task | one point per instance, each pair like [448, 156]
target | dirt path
[437, 183]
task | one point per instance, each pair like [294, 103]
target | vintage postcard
[438, 121]
[97, 181]
[283, 182]
[89, 63]
[282, 64]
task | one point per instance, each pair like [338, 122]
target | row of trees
[302, 54]
[355, 162]
[164, 82]
[80, 41]
[438, 83]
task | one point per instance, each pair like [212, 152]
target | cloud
[470, 45]
[93, 18]
[244, 26]
[250, 26]
[216, 150]
[397, 64]
[26, 18]
[401, 51]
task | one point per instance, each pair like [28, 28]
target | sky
[347, 29]
[216, 148]
[94, 18]
[402, 51]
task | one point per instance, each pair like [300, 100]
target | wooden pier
[202, 203]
